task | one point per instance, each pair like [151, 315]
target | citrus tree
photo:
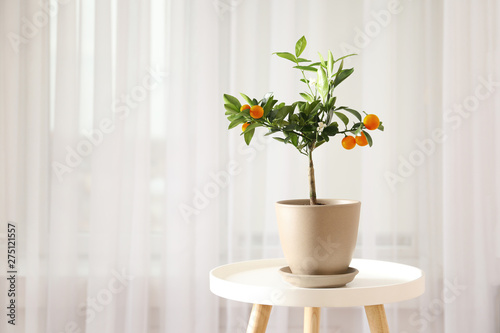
[309, 123]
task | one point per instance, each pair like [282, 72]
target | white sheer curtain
[471, 164]
[126, 188]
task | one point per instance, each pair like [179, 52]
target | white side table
[259, 282]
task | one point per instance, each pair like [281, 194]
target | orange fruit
[361, 140]
[371, 122]
[244, 107]
[244, 126]
[256, 111]
[348, 142]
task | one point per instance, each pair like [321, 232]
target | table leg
[259, 318]
[377, 319]
[311, 320]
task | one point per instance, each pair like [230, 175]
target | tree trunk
[312, 180]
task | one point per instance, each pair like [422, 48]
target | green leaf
[300, 46]
[286, 55]
[283, 112]
[302, 105]
[231, 107]
[279, 139]
[266, 97]
[342, 117]
[368, 138]
[322, 83]
[310, 136]
[307, 97]
[349, 55]
[323, 63]
[331, 130]
[331, 102]
[272, 131]
[308, 128]
[294, 138]
[245, 112]
[269, 105]
[355, 113]
[342, 76]
[330, 63]
[290, 127]
[381, 127]
[315, 105]
[248, 136]
[293, 117]
[235, 116]
[228, 99]
[306, 68]
[357, 131]
[251, 127]
[319, 143]
[303, 60]
[340, 67]
[236, 122]
[248, 99]
[273, 102]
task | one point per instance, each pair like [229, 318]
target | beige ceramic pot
[319, 239]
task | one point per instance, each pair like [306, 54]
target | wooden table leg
[259, 318]
[377, 319]
[311, 320]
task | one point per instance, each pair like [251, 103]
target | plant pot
[318, 239]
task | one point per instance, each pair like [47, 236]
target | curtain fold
[401, 179]
[65, 176]
[470, 206]
[126, 187]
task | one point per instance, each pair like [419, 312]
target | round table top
[259, 282]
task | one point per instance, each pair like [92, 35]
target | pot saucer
[318, 281]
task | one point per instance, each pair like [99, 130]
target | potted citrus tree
[318, 236]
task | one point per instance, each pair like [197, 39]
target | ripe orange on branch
[244, 107]
[361, 140]
[244, 126]
[348, 142]
[371, 122]
[256, 111]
